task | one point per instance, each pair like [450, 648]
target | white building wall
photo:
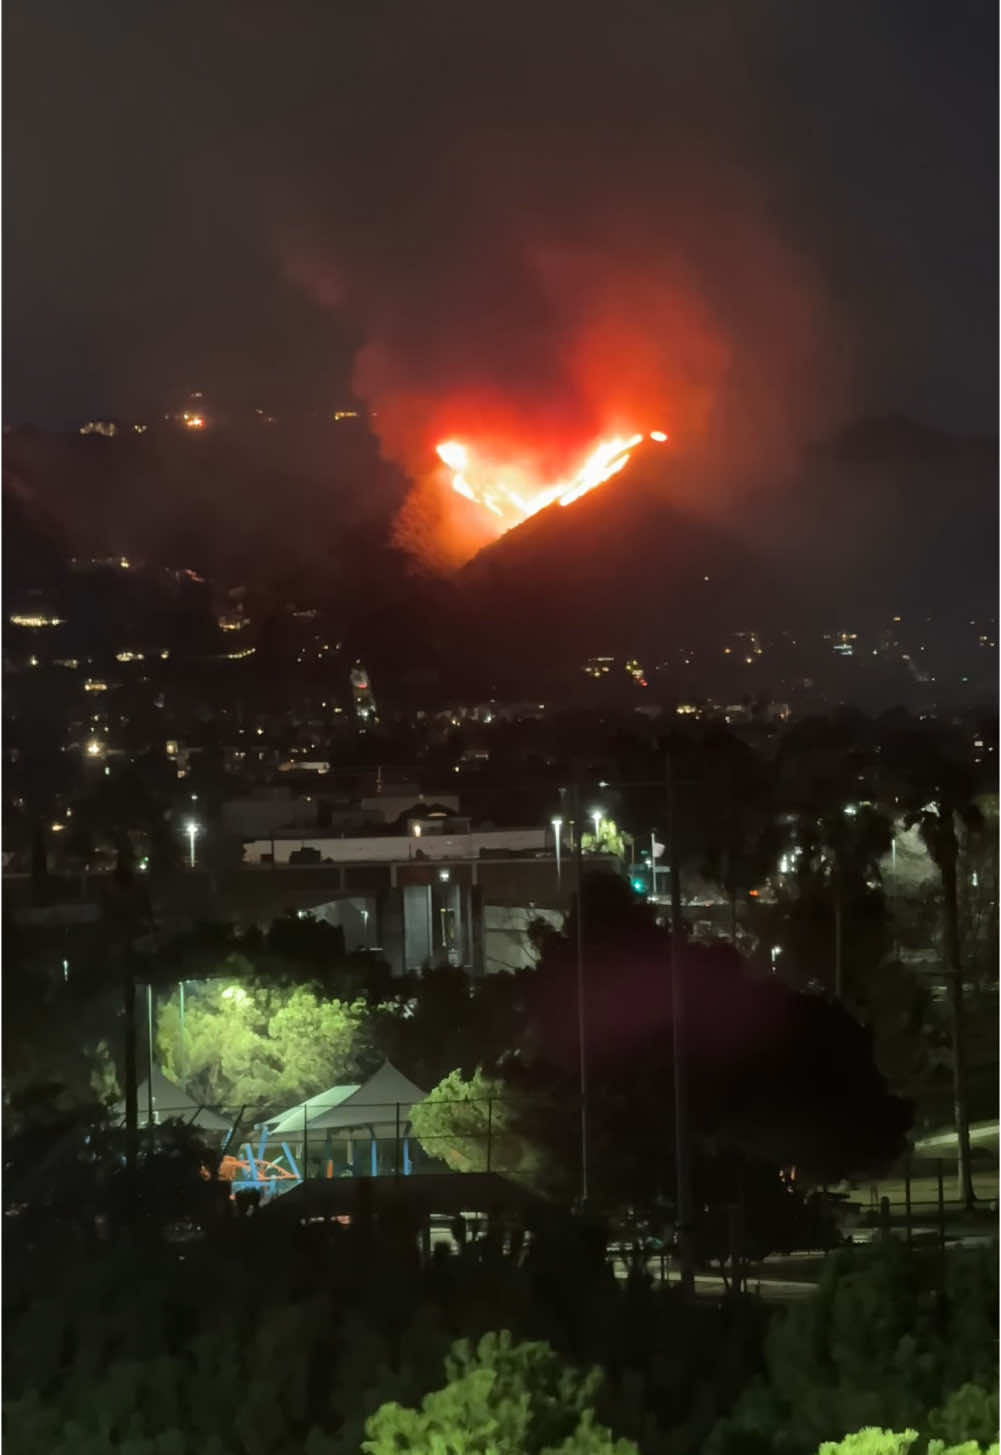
[397, 847]
[506, 945]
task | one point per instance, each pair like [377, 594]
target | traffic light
[639, 880]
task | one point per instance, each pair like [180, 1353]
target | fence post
[490, 1109]
[884, 1219]
[907, 1197]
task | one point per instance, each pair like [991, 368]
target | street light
[192, 830]
[597, 815]
[678, 1033]
[557, 838]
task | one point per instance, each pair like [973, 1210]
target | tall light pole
[682, 1159]
[557, 839]
[597, 815]
[150, 1112]
[192, 830]
[581, 1016]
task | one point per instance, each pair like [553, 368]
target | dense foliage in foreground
[262, 1342]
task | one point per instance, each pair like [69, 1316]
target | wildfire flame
[489, 489]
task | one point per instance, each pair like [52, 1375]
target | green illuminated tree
[501, 1398]
[609, 839]
[477, 1124]
[259, 1047]
[873, 1441]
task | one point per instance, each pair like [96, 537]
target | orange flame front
[506, 493]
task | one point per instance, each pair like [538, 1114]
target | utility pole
[581, 1016]
[184, 1057]
[682, 1160]
[839, 966]
[131, 1090]
[149, 1062]
[682, 1144]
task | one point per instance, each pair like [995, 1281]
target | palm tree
[935, 787]
[738, 830]
[826, 774]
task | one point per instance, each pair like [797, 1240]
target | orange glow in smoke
[506, 492]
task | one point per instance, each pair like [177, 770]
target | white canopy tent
[172, 1103]
[376, 1111]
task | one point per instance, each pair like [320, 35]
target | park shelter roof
[172, 1103]
[375, 1102]
[287, 1123]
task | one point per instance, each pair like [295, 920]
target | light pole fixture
[597, 815]
[192, 830]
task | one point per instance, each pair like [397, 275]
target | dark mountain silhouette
[244, 501]
[625, 564]
[889, 516]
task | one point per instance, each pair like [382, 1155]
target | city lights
[34, 620]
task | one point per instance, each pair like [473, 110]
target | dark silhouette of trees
[740, 837]
[935, 789]
[826, 773]
[780, 1077]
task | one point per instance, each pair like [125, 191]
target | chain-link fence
[324, 1139]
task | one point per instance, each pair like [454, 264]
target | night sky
[240, 197]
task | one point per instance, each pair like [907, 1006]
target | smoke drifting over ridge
[536, 327]
[599, 251]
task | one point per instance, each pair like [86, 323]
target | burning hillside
[512, 493]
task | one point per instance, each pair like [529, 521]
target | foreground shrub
[501, 1399]
[883, 1343]
[888, 1442]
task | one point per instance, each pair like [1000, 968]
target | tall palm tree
[737, 830]
[935, 787]
[826, 778]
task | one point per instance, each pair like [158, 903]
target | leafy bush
[887, 1442]
[476, 1125]
[970, 1413]
[501, 1399]
[880, 1344]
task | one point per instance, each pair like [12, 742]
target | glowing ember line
[512, 506]
[454, 455]
[607, 460]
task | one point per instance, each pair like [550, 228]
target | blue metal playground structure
[376, 1113]
[317, 1138]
